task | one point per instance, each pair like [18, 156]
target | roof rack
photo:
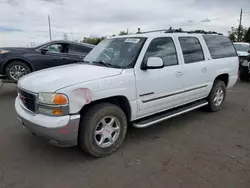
[170, 30]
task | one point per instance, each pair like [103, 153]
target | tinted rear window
[191, 49]
[219, 46]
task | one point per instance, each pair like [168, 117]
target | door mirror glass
[155, 63]
[44, 50]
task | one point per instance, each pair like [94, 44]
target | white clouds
[105, 17]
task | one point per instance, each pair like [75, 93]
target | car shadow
[134, 135]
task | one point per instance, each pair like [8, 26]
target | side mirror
[153, 63]
[43, 51]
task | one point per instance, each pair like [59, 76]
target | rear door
[195, 68]
[77, 53]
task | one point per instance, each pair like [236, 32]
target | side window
[54, 48]
[163, 48]
[78, 49]
[219, 46]
[191, 49]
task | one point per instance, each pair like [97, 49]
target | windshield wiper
[87, 62]
[102, 63]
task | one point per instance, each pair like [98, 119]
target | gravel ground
[198, 149]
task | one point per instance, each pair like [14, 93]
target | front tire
[102, 129]
[16, 69]
[217, 96]
[244, 76]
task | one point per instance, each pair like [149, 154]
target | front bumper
[61, 131]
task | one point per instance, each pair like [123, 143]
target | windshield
[242, 47]
[116, 52]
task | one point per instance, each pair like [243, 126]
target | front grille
[28, 100]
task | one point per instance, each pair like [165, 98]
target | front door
[159, 89]
[55, 55]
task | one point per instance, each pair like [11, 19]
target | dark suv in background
[243, 50]
[16, 62]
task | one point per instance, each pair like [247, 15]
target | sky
[25, 22]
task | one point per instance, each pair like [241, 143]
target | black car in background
[16, 62]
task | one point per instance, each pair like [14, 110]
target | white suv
[138, 79]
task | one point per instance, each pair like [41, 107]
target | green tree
[247, 35]
[93, 40]
[233, 34]
[123, 33]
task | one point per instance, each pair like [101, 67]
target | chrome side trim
[172, 94]
[168, 117]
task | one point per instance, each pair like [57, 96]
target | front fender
[87, 92]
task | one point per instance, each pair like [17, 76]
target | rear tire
[97, 135]
[217, 96]
[16, 69]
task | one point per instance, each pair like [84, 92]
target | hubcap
[17, 71]
[107, 131]
[219, 97]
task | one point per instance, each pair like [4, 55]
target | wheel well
[21, 60]
[120, 101]
[224, 78]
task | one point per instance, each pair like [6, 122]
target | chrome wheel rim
[219, 97]
[107, 131]
[17, 71]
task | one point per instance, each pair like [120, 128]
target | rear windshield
[242, 47]
[219, 46]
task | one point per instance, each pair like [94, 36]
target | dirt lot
[198, 149]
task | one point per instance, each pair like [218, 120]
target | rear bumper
[59, 131]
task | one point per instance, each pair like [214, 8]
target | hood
[53, 79]
[16, 48]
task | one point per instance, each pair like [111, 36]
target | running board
[157, 118]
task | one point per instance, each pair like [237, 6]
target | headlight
[53, 104]
[53, 99]
[244, 63]
[3, 51]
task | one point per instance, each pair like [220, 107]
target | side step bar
[157, 118]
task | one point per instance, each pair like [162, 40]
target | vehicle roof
[73, 42]
[163, 34]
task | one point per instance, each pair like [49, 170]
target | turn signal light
[60, 99]
[57, 112]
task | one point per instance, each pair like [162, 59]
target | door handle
[179, 74]
[204, 70]
[64, 58]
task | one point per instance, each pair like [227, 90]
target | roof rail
[170, 30]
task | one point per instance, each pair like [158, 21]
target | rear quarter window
[219, 46]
